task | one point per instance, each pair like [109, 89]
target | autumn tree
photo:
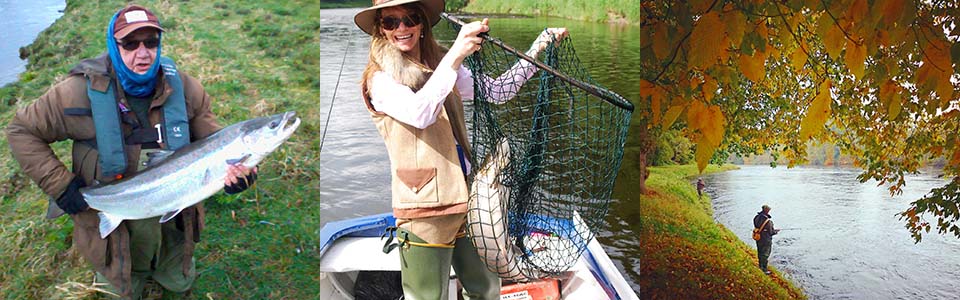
[877, 78]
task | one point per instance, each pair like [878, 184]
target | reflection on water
[842, 239]
[20, 22]
[354, 176]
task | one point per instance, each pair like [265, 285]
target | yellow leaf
[724, 52]
[713, 130]
[855, 57]
[944, 88]
[661, 44]
[887, 90]
[762, 30]
[883, 38]
[798, 58]
[752, 66]
[892, 9]
[893, 109]
[926, 78]
[937, 52]
[702, 155]
[833, 40]
[709, 87]
[817, 113]
[857, 10]
[734, 22]
[705, 40]
[694, 114]
[671, 116]
[710, 122]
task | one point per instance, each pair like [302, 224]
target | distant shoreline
[600, 11]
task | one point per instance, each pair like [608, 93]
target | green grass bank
[612, 11]
[687, 255]
[254, 58]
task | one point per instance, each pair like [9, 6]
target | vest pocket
[419, 184]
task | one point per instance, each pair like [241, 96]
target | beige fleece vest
[425, 168]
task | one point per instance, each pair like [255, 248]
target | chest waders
[159, 258]
[105, 106]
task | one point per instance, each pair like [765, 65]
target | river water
[20, 22]
[354, 169]
[841, 238]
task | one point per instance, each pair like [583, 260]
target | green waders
[763, 253]
[156, 251]
[425, 270]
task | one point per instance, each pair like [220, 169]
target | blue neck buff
[134, 84]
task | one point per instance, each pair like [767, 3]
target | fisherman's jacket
[64, 112]
[766, 235]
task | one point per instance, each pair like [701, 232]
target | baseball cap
[134, 17]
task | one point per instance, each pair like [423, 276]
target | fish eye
[274, 124]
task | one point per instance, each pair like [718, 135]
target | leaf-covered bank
[685, 254]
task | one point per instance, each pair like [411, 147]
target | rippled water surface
[20, 22]
[841, 238]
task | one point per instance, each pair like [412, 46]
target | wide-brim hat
[367, 18]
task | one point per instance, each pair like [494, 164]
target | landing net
[545, 161]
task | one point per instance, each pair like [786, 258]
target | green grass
[254, 58]
[621, 11]
[685, 254]
[344, 3]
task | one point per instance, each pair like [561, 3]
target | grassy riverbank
[687, 255]
[254, 58]
[613, 11]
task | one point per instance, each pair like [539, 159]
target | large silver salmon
[188, 175]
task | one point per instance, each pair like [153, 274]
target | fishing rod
[335, 88]
[609, 96]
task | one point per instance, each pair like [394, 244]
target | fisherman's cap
[134, 17]
[367, 18]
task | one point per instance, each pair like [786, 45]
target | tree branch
[835, 21]
[676, 50]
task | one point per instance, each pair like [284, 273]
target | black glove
[71, 201]
[241, 184]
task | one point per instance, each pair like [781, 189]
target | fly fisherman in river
[122, 104]
[414, 90]
[765, 243]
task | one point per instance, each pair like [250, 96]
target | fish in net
[547, 158]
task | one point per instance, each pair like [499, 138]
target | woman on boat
[414, 91]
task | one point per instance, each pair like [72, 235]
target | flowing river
[21, 21]
[840, 238]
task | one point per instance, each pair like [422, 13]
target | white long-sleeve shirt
[420, 108]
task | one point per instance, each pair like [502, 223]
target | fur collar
[392, 61]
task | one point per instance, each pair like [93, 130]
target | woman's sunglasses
[131, 45]
[391, 22]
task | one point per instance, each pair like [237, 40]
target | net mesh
[545, 161]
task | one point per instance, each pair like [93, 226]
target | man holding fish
[117, 108]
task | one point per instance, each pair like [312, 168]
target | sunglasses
[391, 22]
[131, 45]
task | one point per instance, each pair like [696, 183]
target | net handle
[609, 97]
